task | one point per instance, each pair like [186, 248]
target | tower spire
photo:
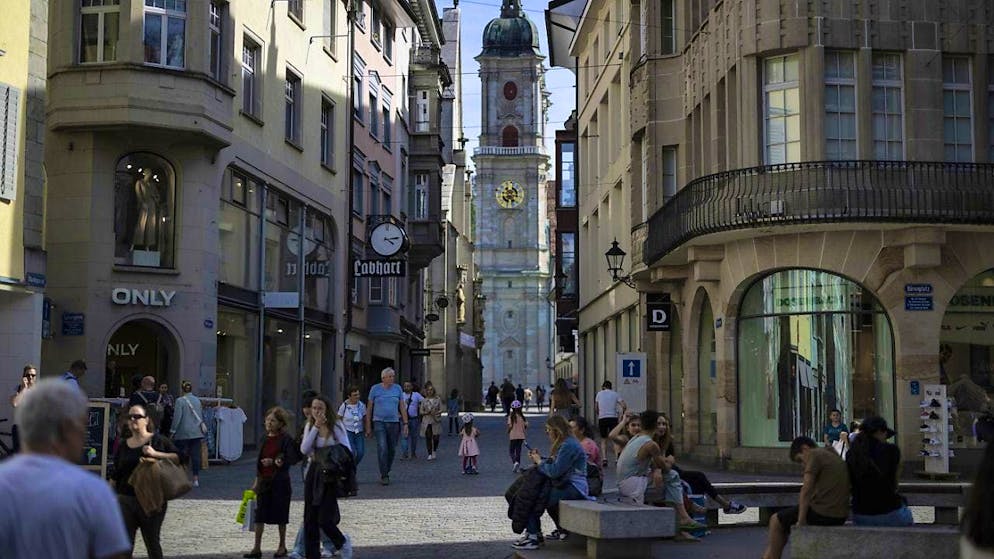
[511, 8]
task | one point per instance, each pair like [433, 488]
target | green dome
[512, 34]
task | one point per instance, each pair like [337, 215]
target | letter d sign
[657, 312]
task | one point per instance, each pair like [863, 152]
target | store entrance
[140, 348]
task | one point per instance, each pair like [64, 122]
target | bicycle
[6, 451]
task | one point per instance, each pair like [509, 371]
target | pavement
[430, 510]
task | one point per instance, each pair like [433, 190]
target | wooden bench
[769, 497]
[869, 542]
[616, 530]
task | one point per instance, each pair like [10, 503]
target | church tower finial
[511, 8]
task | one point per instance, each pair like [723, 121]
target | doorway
[140, 348]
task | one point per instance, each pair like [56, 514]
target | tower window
[509, 137]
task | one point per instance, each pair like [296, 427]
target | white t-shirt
[51, 508]
[229, 432]
[607, 403]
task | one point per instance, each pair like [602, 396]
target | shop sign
[984, 300]
[387, 268]
[35, 279]
[281, 299]
[73, 323]
[144, 297]
[420, 352]
[122, 350]
[657, 312]
[312, 269]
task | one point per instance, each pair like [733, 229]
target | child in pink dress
[469, 450]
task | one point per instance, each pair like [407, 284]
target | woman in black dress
[272, 482]
[140, 440]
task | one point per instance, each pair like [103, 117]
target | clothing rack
[210, 405]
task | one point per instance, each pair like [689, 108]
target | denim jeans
[552, 507]
[358, 443]
[409, 444]
[190, 448]
[387, 435]
[897, 517]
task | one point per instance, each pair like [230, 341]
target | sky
[560, 82]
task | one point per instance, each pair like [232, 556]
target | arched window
[144, 211]
[509, 137]
[810, 341]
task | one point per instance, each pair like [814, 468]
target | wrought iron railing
[823, 192]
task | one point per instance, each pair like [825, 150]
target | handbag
[202, 425]
[595, 482]
[174, 480]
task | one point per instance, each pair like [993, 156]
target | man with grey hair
[386, 417]
[49, 506]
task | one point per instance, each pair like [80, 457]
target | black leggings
[699, 483]
[323, 517]
[150, 525]
[515, 449]
[431, 439]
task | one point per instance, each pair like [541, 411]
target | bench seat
[616, 530]
[921, 541]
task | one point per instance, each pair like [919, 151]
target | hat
[515, 404]
[467, 417]
[874, 424]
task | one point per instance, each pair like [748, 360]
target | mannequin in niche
[148, 202]
[460, 304]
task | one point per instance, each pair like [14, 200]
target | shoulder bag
[202, 425]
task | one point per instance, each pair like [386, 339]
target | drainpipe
[351, 179]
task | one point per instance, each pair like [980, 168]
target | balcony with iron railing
[823, 192]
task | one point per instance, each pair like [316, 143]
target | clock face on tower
[510, 194]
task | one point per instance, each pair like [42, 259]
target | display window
[144, 211]
[810, 341]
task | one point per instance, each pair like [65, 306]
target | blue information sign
[917, 302]
[72, 323]
[916, 388]
[631, 368]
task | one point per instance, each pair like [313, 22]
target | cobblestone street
[429, 510]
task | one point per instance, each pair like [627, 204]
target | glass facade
[966, 353]
[810, 341]
[237, 362]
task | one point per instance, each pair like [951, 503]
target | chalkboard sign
[95, 448]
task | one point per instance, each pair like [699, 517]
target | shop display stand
[935, 426]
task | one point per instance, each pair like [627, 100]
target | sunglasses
[32, 376]
[136, 417]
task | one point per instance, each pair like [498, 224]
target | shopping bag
[204, 461]
[248, 498]
[248, 524]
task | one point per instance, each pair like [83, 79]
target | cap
[875, 424]
[515, 404]
[467, 417]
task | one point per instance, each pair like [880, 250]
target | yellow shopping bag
[248, 496]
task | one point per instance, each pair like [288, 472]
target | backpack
[595, 483]
[156, 410]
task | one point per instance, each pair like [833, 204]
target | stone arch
[169, 365]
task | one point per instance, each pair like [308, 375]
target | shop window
[810, 341]
[319, 263]
[707, 377]
[966, 354]
[782, 110]
[144, 211]
[165, 32]
[281, 375]
[99, 29]
[238, 230]
[237, 363]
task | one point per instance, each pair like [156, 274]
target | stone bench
[617, 530]
[769, 497]
[867, 542]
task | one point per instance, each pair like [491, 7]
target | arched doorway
[810, 341]
[966, 353]
[138, 348]
[707, 377]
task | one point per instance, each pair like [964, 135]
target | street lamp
[615, 259]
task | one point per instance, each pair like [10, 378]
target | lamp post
[615, 259]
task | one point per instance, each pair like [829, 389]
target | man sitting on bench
[824, 499]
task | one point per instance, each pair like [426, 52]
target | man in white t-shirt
[607, 404]
[49, 506]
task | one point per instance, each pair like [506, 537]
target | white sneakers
[431, 456]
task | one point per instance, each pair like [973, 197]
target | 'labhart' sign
[390, 268]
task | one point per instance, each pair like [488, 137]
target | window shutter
[9, 111]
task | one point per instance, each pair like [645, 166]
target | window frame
[957, 86]
[389, 31]
[293, 106]
[250, 96]
[100, 11]
[773, 87]
[841, 83]
[328, 108]
[358, 197]
[422, 110]
[667, 48]
[216, 11]
[295, 11]
[358, 71]
[165, 14]
[377, 289]
[887, 84]
[422, 197]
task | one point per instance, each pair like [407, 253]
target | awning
[561, 21]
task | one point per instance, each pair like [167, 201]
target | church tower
[512, 241]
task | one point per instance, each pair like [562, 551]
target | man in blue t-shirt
[387, 419]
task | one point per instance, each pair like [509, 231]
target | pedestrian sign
[631, 379]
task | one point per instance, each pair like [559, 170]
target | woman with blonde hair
[430, 410]
[566, 468]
